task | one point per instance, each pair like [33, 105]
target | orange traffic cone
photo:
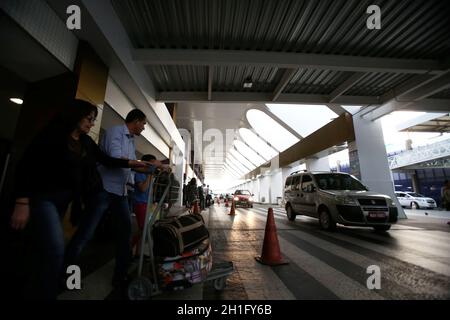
[232, 213]
[196, 209]
[271, 254]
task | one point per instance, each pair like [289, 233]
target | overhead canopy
[433, 123]
[270, 130]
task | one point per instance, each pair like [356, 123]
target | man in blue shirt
[117, 142]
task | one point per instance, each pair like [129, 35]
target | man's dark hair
[134, 115]
[148, 157]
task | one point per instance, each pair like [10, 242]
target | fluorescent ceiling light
[16, 100]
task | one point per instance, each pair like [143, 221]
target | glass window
[304, 119]
[258, 144]
[239, 163]
[306, 181]
[296, 183]
[236, 168]
[416, 195]
[328, 181]
[232, 171]
[242, 159]
[288, 182]
[251, 155]
[242, 193]
[270, 130]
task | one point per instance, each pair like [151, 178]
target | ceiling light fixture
[16, 100]
[248, 83]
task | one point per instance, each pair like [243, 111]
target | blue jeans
[95, 210]
[47, 236]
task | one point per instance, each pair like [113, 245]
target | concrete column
[415, 182]
[276, 186]
[177, 163]
[264, 191]
[368, 159]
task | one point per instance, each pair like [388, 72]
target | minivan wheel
[290, 214]
[326, 221]
[382, 228]
[414, 206]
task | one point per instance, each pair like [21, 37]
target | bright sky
[305, 119]
[394, 140]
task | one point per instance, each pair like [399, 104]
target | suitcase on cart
[187, 269]
[176, 235]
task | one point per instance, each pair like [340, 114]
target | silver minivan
[337, 198]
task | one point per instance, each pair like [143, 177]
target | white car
[415, 200]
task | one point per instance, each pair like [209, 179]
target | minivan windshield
[330, 181]
[242, 193]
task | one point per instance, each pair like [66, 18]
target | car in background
[243, 198]
[415, 200]
[337, 198]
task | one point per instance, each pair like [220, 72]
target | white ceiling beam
[287, 76]
[280, 122]
[288, 60]
[257, 97]
[430, 105]
[365, 110]
[407, 86]
[383, 110]
[418, 120]
[413, 90]
[436, 85]
[339, 110]
[347, 84]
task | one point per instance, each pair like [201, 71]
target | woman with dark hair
[58, 167]
[191, 192]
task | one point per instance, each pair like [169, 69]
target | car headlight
[390, 202]
[236, 199]
[250, 199]
[346, 201]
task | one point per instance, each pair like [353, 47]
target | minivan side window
[307, 180]
[288, 183]
[296, 183]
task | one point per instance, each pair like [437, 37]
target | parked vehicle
[337, 198]
[243, 198]
[415, 200]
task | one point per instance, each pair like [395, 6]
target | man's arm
[112, 144]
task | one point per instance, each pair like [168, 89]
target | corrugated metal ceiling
[411, 29]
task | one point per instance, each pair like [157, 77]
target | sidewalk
[428, 219]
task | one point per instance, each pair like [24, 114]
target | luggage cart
[143, 288]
